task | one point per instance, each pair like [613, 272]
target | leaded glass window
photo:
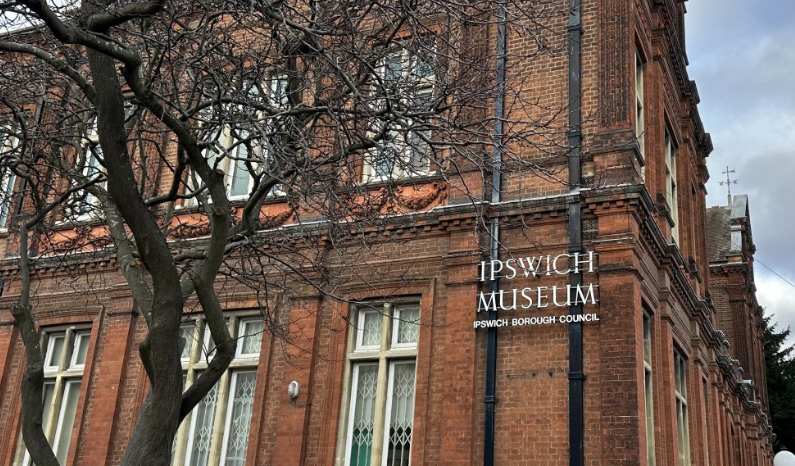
[369, 331]
[406, 326]
[217, 430]
[65, 353]
[186, 333]
[238, 418]
[365, 383]
[400, 416]
[201, 429]
[251, 338]
[382, 371]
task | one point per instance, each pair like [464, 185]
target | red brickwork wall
[437, 262]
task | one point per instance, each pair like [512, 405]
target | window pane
[49, 391]
[278, 88]
[418, 151]
[239, 417]
[209, 344]
[7, 186]
[423, 67]
[386, 156]
[684, 378]
[401, 415]
[650, 456]
[80, 350]
[186, 333]
[66, 420]
[646, 339]
[202, 429]
[680, 431]
[362, 422]
[54, 351]
[251, 332]
[213, 137]
[92, 169]
[370, 329]
[408, 328]
[240, 177]
[393, 68]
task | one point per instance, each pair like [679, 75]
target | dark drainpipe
[574, 137]
[494, 237]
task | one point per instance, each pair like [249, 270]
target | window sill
[424, 177]
[83, 220]
[665, 210]
[236, 201]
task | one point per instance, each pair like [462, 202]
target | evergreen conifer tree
[780, 367]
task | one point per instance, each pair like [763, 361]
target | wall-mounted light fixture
[292, 389]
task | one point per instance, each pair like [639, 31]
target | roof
[719, 233]
[719, 228]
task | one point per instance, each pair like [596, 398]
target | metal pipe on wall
[490, 399]
[574, 139]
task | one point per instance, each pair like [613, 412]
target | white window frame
[230, 409]
[648, 389]
[9, 179]
[62, 376]
[680, 408]
[225, 146]
[704, 387]
[422, 86]
[88, 205]
[671, 184]
[8, 143]
[640, 118]
[360, 328]
[399, 317]
[80, 338]
[385, 357]
[200, 352]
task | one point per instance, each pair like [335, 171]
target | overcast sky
[743, 60]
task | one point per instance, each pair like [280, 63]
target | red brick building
[607, 287]
[738, 314]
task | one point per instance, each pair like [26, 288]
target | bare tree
[182, 136]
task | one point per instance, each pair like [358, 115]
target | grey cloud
[743, 61]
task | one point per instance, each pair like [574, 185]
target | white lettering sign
[544, 320]
[536, 266]
[539, 297]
